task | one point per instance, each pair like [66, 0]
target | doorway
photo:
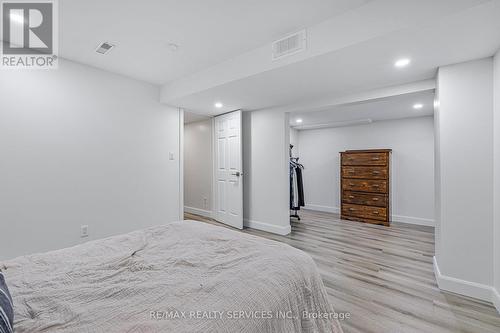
[213, 175]
[372, 187]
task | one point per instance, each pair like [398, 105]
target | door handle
[237, 174]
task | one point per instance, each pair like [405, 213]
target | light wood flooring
[382, 276]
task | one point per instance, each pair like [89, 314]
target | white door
[228, 169]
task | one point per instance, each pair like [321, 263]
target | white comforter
[180, 277]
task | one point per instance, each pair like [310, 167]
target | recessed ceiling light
[298, 121]
[401, 63]
[418, 106]
[218, 105]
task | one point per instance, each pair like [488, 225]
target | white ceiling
[190, 117]
[396, 107]
[208, 32]
[463, 30]
[224, 50]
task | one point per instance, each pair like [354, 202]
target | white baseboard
[198, 211]
[413, 220]
[395, 218]
[463, 287]
[496, 299]
[275, 229]
[326, 209]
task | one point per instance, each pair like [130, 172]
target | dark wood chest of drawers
[365, 186]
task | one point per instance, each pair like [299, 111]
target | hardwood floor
[382, 276]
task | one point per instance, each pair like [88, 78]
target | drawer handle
[352, 171]
[352, 209]
[376, 213]
[375, 199]
[351, 197]
[376, 172]
[375, 185]
[351, 184]
[375, 158]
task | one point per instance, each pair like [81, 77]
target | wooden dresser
[365, 185]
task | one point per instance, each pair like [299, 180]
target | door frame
[214, 176]
[181, 164]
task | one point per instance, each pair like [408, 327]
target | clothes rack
[296, 185]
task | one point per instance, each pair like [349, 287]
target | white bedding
[134, 282]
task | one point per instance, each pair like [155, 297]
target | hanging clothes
[300, 187]
[292, 186]
[296, 186]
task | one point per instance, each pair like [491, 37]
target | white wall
[198, 165]
[82, 146]
[464, 261]
[497, 178]
[437, 173]
[294, 140]
[266, 139]
[412, 142]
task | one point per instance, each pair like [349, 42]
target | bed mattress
[184, 276]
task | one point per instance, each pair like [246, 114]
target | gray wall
[198, 166]
[464, 244]
[294, 140]
[497, 178]
[82, 146]
[266, 138]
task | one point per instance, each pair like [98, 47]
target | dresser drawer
[364, 159]
[365, 212]
[367, 199]
[364, 172]
[364, 185]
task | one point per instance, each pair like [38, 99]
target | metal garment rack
[293, 160]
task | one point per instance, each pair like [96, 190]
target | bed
[184, 276]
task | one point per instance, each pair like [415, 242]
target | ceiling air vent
[104, 48]
[289, 45]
